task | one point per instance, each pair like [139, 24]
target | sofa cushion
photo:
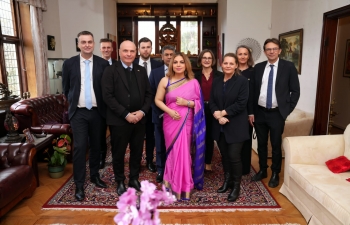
[329, 189]
[339, 164]
[347, 141]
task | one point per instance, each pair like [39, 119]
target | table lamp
[11, 125]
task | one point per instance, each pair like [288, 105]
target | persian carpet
[253, 195]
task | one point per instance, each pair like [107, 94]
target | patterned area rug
[253, 195]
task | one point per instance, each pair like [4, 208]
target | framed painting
[347, 60]
[112, 37]
[292, 46]
[51, 43]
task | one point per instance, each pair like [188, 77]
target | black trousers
[103, 139]
[150, 141]
[209, 141]
[160, 147]
[86, 125]
[269, 122]
[120, 137]
[231, 157]
[246, 154]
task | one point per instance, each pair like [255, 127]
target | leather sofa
[48, 113]
[17, 179]
[320, 195]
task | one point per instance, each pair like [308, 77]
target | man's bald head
[127, 52]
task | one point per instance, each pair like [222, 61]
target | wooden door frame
[325, 68]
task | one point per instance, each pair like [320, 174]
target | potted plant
[57, 161]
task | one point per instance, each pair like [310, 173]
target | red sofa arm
[56, 129]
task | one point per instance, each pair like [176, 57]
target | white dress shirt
[81, 102]
[264, 83]
[148, 61]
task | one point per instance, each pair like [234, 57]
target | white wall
[64, 19]
[110, 17]
[290, 15]
[246, 19]
[341, 84]
[52, 26]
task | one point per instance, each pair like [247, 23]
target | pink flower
[127, 199]
[147, 213]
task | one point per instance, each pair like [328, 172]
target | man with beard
[145, 49]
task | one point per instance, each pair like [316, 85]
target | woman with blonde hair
[184, 127]
[228, 104]
[245, 66]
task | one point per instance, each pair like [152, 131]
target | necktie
[269, 89]
[145, 65]
[87, 83]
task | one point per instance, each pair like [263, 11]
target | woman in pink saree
[183, 126]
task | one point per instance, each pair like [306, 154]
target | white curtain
[39, 44]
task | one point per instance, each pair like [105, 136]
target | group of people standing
[181, 113]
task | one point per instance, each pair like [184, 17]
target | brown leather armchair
[17, 179]
[47, 113]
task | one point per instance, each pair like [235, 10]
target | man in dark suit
[127, 93]
[81, 82]
[145, 49]
[157, 114]
[274, 93]
[106, 49]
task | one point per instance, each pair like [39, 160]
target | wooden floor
[29, 211]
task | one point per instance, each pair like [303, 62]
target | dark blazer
[287, 87]
[154, 79]
[116, 93]
[114, 61]
[198, 75]
[154, 63]
[71, 81]
[235, 104]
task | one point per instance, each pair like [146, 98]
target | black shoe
[274, 180]
[159, 177]
[260, 175]
[98, 182]
[79, 194]
[228, 183]
[151, 167]
[235, 192]
[135, 184]
[120, 188]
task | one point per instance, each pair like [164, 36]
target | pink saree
[179, 139]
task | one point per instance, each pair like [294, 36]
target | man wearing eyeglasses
[274, 93]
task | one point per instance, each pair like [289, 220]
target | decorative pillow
[339, 164]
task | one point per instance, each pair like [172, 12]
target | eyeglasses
[207, 58]
[271, 49]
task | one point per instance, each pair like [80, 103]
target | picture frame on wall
[292, 46]
[347, 59]
[112, 37]
[51, 43]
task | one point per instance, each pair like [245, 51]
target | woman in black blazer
[205, 77]
[228, 104]
[245, 66]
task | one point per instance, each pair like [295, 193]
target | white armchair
[321, 196]
[298, 123]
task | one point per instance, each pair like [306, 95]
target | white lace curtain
[39, 44]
